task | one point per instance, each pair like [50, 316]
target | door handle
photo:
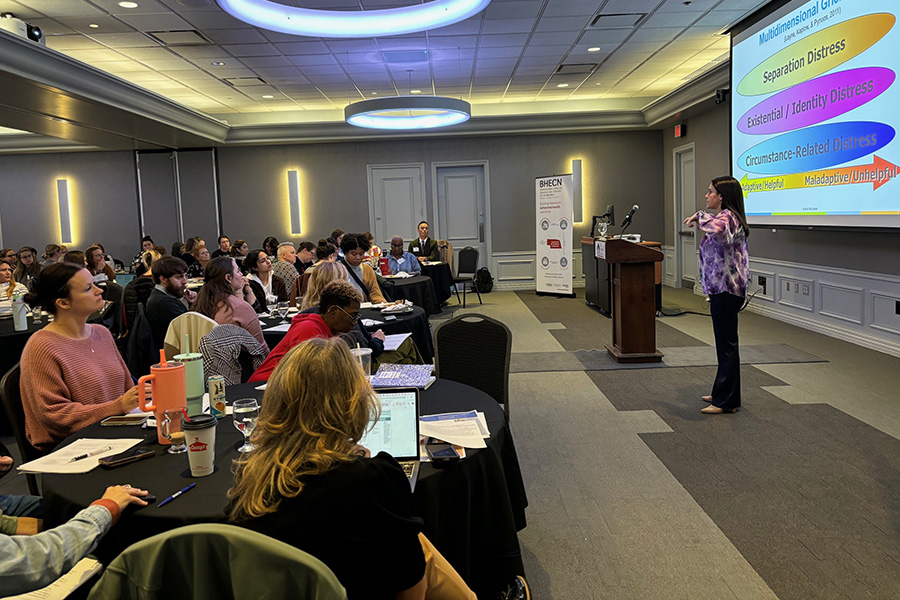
[481, 233]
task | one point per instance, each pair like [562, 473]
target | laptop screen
[397, 430]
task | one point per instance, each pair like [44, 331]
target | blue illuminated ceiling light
[408, 112]
[352, 24]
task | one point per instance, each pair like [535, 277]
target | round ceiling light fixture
[408, 112]
[352, 24]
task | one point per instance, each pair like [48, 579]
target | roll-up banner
[553, 196]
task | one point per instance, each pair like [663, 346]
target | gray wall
[104, 206]
[874, 252]
[619, 168]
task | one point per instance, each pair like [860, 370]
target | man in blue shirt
[398, 260]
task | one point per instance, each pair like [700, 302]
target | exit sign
[680, 130]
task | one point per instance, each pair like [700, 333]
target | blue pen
[175, 495]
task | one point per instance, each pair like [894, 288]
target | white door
[396, 201]
[686, 202]
[461, 212]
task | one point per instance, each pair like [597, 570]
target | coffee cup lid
[188, 356]
[200, 422]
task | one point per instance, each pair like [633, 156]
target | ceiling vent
[576, 69]
[240, 82]
[405, 56]
[190, 37]
[626, 21]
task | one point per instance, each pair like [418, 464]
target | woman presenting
[724, 267]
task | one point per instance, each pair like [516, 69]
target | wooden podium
[632, 276]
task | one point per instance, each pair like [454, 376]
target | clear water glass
[283, 308]
[36, 314]
[245, 413]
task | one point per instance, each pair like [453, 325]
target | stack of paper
[63, 587]
[466, 429]
[392, 342]
[60, 461]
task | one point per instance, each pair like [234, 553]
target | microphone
[628, 218]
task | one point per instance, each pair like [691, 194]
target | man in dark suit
[423, 247]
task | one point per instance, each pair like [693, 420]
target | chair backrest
[468, 261]
[221, 349]
[192, 323]
[142, 349]
[115, 295]
[11, 396]
[474, 349]
[214, 560]
[445, 251]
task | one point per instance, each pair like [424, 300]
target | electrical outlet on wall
[806, 290]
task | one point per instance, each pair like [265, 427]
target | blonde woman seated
[327, 272]
[326, 252]
[9, 288]
[310, 484]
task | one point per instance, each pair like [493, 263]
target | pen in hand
[91, 453]
[175, 495]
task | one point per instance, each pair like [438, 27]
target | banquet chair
[194, 325]
[214, 560]
[468, 265]
[142, 349]
[15, 413]
[232, 352]
[474, 349]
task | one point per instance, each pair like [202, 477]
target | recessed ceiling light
[268, 96]
[128, 4]
[594, 49]
[93, 26]
[562, 85]
[217, 63]
[598, 83]
[415, 91]
[374, 93]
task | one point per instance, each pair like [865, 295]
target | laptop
[397, 430]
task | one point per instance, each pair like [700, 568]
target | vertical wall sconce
[65, 210]
[576, 190]
[294, 200]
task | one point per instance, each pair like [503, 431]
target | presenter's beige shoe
[706, 398]
[715, 410]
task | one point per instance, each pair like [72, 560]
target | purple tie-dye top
[724, 263]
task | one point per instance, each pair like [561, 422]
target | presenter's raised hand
[691, 220]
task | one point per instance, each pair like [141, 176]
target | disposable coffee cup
[200, 437]
[364, 357]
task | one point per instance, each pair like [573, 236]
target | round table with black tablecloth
[415, 323]
[472, 510]
[442, 278]
[418, 289]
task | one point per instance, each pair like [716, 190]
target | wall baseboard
[513, 271]
[858, 307]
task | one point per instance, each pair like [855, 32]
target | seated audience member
[336, 237]
[177, 249]
[170, 296]
[267, 287]
[373, 253]
[52, 254]
[338, 313]
[306, 254]
[28, 269]
[19, 514]
[423, 247]
[398, 260]
[325, 252]
[239, 250]
[146, 245]
[311, 485]
[361, 274]
[139, 289]
[9, 288]
[8, 256]
[97, 265]
[189, 245]
[72, 372]
[284, 266]
[31, 562]
[75, 257]
[226, 297]
[224, 247]
[107, 258]
[270, 245]
[201, 256]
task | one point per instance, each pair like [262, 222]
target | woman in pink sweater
[226, 297]
[72, 373]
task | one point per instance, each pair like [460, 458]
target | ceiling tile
[156, 22]
[671, 19]
[213, 20]
[235, 36]
[170, 64]
[52, 27]
[94, 55]
[157, 52]
[313, 59]
[470, 26]
[600, 37]
[352, 46]
[265, 61]
[509, 39]
[452, 43]
[83, 24]
[200, 53]
[497, 26]
[572, 8]
[144, 7]
[556, 37]
[65, 8]
[241, 50]
[558, 51]
[617, 7]
[511, 10]
[72, 42]
[654, 35]
[303, 48]
[721, 18]
[563, 23]
[124, 40]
